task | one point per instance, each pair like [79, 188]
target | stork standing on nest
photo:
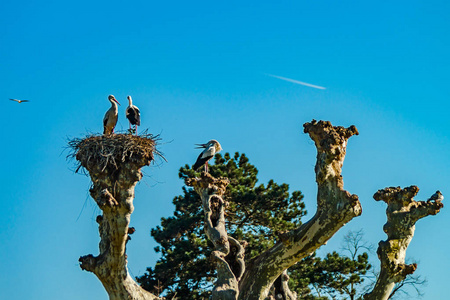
[133, 114]
[110, 119]
[211, 148]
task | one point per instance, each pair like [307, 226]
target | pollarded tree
[114, 164]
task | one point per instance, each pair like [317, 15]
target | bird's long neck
[114, 105]
[130, 102]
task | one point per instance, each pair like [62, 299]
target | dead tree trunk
[402, 214]
[114, 164]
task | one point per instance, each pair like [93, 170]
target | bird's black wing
[201, 161]
[138, 116]
[133, 115]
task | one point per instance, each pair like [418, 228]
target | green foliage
[333, 275]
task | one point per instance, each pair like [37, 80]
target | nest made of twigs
[107, 152]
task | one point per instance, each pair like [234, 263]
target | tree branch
[281, 289]
[402, 214]
[114, 165]
[335, 207]
[229, 253]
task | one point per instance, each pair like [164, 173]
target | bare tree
[402, 214]
[414, 282]
[354, 243]
[356, 247]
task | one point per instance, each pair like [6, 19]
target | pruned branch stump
[402, 214]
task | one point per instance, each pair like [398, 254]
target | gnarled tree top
[401, 200]
[206, 181]
[325, 135]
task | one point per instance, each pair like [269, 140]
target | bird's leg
[206, 167]
[135, 129]
[131, 130]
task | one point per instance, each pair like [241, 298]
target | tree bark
[402, 214]
[281, 290]
[229, 253]
[335, 207]
[113, 183]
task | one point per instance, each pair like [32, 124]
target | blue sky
[197, 71]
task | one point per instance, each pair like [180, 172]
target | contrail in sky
[297, 82]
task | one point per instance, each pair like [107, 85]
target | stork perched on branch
[133, 114]
[211, 148]
[110, 119]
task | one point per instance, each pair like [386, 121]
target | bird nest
[108, 152]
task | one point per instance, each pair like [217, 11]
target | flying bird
[19, 101]
[211, 148]
[133, 114]
[297, 82]
[110, 119]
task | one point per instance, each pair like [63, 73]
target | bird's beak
[201, 146]
[116, 101]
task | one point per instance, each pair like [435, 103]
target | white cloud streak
[297, 82]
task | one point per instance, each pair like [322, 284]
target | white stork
[110, 119]
[19, 101]
[133, 114]
[211, 148]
